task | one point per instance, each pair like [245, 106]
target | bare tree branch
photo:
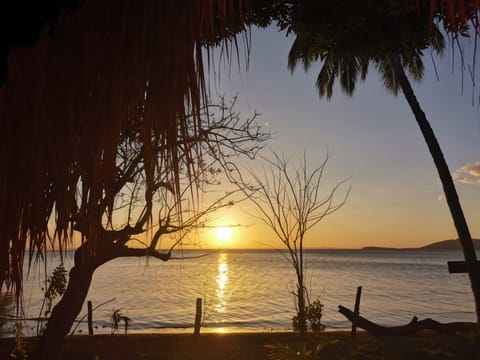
[288, 199]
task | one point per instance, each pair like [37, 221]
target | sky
[396, 197]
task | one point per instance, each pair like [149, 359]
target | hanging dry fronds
[107, 70]
[456, 15]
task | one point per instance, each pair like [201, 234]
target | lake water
[251, 290]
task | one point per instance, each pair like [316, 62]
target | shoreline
[185, 331]
[257, 345]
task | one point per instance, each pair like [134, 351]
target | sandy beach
[236, 346]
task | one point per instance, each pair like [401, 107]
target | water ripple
[252, 289]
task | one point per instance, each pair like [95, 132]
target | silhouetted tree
[290, 201]
[148, 212]
[83, 75]
[68, 98]
[350, 36]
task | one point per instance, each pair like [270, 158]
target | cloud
[468, 174]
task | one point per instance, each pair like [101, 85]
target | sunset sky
[396, 198]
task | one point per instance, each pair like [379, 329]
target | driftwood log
[412, 327]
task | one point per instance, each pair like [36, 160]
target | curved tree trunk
[65, 312]
[67, 309]
[447, 182]
[80, 277]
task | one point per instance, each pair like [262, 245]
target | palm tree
[392, 37]
[448, 185]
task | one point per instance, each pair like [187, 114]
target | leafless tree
[290, 201]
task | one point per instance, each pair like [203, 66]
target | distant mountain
[451, 244]
[378, 248]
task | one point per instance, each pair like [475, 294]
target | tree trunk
[302, 321]
[66, 311]
[447, 182]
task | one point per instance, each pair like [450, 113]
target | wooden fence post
[356, 311]
[198, 317]
[89, 318]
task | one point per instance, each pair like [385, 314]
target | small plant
[285, 352]
[19, 351]
[6, 309]
[55, 286]
[313, 315]
[116, 318]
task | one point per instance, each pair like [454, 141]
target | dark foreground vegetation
[272, 345]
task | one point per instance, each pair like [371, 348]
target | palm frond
[387, 75]
[364, 65]
[304, 49]
[326, 77]
[349, 68]
[413, 64]
[295, 54]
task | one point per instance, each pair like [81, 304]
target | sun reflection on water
[222, 281]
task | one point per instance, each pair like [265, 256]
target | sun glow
[223, 234]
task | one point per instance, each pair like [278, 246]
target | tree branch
[412, 327]
[124, 251]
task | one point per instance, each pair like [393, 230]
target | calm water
[251, 290]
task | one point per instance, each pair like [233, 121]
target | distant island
[452, 244]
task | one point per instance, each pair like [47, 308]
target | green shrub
[313, 316]
[55, 286]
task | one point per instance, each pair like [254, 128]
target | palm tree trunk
[447, 183]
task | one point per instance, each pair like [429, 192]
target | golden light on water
[222, 281]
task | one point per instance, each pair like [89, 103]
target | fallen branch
[412, 327]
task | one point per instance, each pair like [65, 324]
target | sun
[223, 233]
